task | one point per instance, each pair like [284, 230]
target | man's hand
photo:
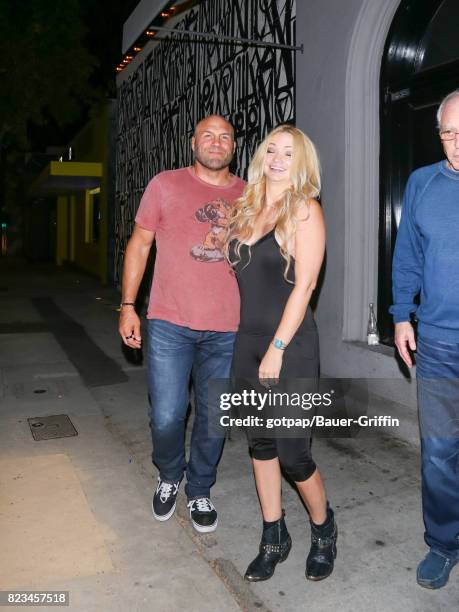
[129, 327]
[404, 338]
[135, 260]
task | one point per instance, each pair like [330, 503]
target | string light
[150, 33]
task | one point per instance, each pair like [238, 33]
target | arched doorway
[420, 66]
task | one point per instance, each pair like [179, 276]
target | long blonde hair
[305, 179]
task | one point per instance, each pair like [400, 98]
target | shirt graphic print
[215, 214]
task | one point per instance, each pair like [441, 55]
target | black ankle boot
[320, 561]
[274, 548]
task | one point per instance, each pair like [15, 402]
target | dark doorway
[40, 223]
[420, 66]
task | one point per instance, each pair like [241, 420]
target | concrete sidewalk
[76, 511]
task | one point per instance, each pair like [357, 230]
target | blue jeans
[175, 353]
[438, 405]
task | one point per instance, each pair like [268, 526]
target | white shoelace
[203, 504]
[165, 490]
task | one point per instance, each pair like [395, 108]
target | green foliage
[44, 66]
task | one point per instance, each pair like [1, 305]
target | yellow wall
[62, 239]
[90, 145]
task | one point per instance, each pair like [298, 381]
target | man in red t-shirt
[193, 312]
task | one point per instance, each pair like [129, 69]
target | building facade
[69, 218]
[365, 89]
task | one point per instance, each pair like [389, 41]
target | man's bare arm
[135, 261]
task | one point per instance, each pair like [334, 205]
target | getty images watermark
[305, 401]
[332, 407]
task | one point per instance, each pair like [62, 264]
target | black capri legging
[301, 361]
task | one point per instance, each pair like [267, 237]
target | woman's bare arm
[309, 255]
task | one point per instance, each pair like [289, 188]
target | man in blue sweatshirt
[426, 262]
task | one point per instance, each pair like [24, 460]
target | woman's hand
[270, 366]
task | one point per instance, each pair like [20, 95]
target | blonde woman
[276, 244]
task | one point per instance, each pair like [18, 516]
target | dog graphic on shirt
[215, 213]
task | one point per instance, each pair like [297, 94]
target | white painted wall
[338, 106]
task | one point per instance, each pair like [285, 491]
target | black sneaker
[165, 499]
[203, 514]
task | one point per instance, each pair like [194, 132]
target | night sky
[104, 21]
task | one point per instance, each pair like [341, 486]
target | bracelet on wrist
[127, 304]
[279, 344]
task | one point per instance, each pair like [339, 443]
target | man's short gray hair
[444, 102]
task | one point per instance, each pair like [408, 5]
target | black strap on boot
[274, 548]
[321, 557]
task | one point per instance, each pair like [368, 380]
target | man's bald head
[213, 120]
[213, 142]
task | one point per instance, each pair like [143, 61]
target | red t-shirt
[193, 284]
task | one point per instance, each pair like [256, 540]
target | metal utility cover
[54, 426]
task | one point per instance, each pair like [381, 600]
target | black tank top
[263, 288]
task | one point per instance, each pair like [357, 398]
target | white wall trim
[140, 18]
[362, 163]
